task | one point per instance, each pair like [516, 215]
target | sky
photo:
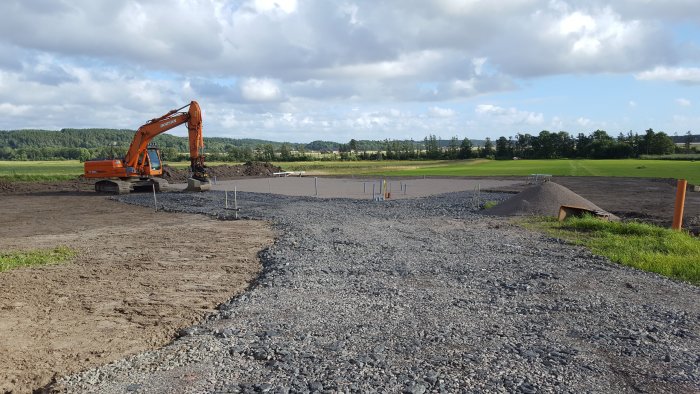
[304, 70]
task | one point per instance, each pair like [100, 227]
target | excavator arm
[136, 155]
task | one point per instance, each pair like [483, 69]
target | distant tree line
[86, 144]
[597, 145]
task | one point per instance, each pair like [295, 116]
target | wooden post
[235, 201]
[155, 201]
[680, 204]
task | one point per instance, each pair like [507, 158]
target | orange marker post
[680, 204]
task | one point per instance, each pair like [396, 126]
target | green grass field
[54, 170]
[690, 170]
[625, 168]
[40, 170]
[674, 254]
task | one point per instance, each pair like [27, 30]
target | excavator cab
[150, 162]
[154, 159]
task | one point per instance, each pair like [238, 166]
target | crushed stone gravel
[418, 296]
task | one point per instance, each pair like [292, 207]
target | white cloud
[510, 116]
[557, 123]
[14, 110]
[578, 23]
[632, 104]
[255, 89]
[479, 65]
[437, 112]
[683, 102]
[686, 75]
[583, 121]
[285, 6]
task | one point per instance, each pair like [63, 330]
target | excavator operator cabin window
[155, 160]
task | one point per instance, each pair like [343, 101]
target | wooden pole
[680, 204]
[155, 201]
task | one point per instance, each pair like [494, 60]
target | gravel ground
[418, 296]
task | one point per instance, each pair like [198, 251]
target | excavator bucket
[195, 185]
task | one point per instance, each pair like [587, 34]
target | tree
[465, 149]
[688, 141]
[601, 144]
[583, 145]
[453, 148]
[432, 149]
[170, 154]
[488, 148]
[246, 154]
[285, 152]
[85, 154]
[353, 145]
[523, 145]
[268, 152]
[661, 144]
[647, 141]
[503, 150]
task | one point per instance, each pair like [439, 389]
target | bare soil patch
[139, 277]
[647, 199]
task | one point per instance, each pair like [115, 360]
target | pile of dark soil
[223, 172]
[542, 200]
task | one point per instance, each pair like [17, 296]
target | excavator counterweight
[142, 167]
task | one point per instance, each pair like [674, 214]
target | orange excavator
[142, 165]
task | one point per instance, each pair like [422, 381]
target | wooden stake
[155, 201]
[680, 204]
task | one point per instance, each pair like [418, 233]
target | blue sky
[301, 70]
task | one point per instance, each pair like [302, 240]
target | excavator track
[113, 186]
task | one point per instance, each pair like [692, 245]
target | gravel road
[416, 296]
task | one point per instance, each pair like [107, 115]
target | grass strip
[673, 254]
[27, 258]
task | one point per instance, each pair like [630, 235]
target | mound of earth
[542, 200]
[223, 172]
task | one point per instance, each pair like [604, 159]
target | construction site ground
[141, 276]
[138, 277]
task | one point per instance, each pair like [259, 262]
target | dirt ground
[646, 199]
[650, 200]
[139, 276]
